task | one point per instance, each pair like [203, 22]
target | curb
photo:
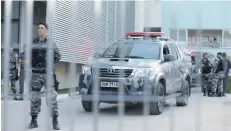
[64, 96]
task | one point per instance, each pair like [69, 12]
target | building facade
[195, 22]
[73, 29]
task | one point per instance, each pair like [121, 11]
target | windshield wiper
[139, 57]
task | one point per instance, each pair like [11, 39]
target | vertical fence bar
[174, 24]
[7, 42]
[50, 64]
[197, 109]
[72, 68]
[27, 51]
[71, 109]
[96, 87]
[146, 99]
[121, 72]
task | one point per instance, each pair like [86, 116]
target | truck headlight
[142, 72]
[86, 70]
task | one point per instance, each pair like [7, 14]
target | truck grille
[117, 73]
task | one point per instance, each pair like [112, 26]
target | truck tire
[89, 105]
[157, 105]
[183, 99]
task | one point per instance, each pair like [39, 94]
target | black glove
[56, 86]
[17, 77]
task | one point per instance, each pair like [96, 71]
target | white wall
[196, 14]
[152, 14]
[148, 14]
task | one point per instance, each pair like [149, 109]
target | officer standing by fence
[39, 78]
[206, 70]
[226, 70]
[218, 76]
[13, 72]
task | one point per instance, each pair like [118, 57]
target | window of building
[152, 29]
[39, 14]
[227, 38]
[173, 34]
[182, 35]
[15, 22]
[14, 33]
[205, 38]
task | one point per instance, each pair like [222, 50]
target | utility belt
[42, 71]
[220, 75]
[206, 76]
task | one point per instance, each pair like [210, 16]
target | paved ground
[202, 114]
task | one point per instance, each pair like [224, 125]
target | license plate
[109, 84]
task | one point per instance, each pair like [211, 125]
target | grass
[63, 91]
[229, 84]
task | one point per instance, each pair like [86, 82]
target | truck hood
[130, 63]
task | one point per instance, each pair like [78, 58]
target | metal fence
[201, 114]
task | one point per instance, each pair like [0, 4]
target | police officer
[218, 76]
[226, 70]
[13, 73]
[39, 77]
[206, 70]
[21, 75]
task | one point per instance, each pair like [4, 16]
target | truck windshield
[136, 50]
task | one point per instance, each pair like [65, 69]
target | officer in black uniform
[206, 73]
[39, 78]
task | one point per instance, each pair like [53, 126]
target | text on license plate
[109, 84]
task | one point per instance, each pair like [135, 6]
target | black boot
[20, 97]
[55, 123]
[219, 94]
[15, 96]
[204, 91]
[204, 94]
[213, 94]
[33, 123]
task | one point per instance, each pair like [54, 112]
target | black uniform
[206, 74]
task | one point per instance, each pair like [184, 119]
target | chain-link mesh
[120, 84]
